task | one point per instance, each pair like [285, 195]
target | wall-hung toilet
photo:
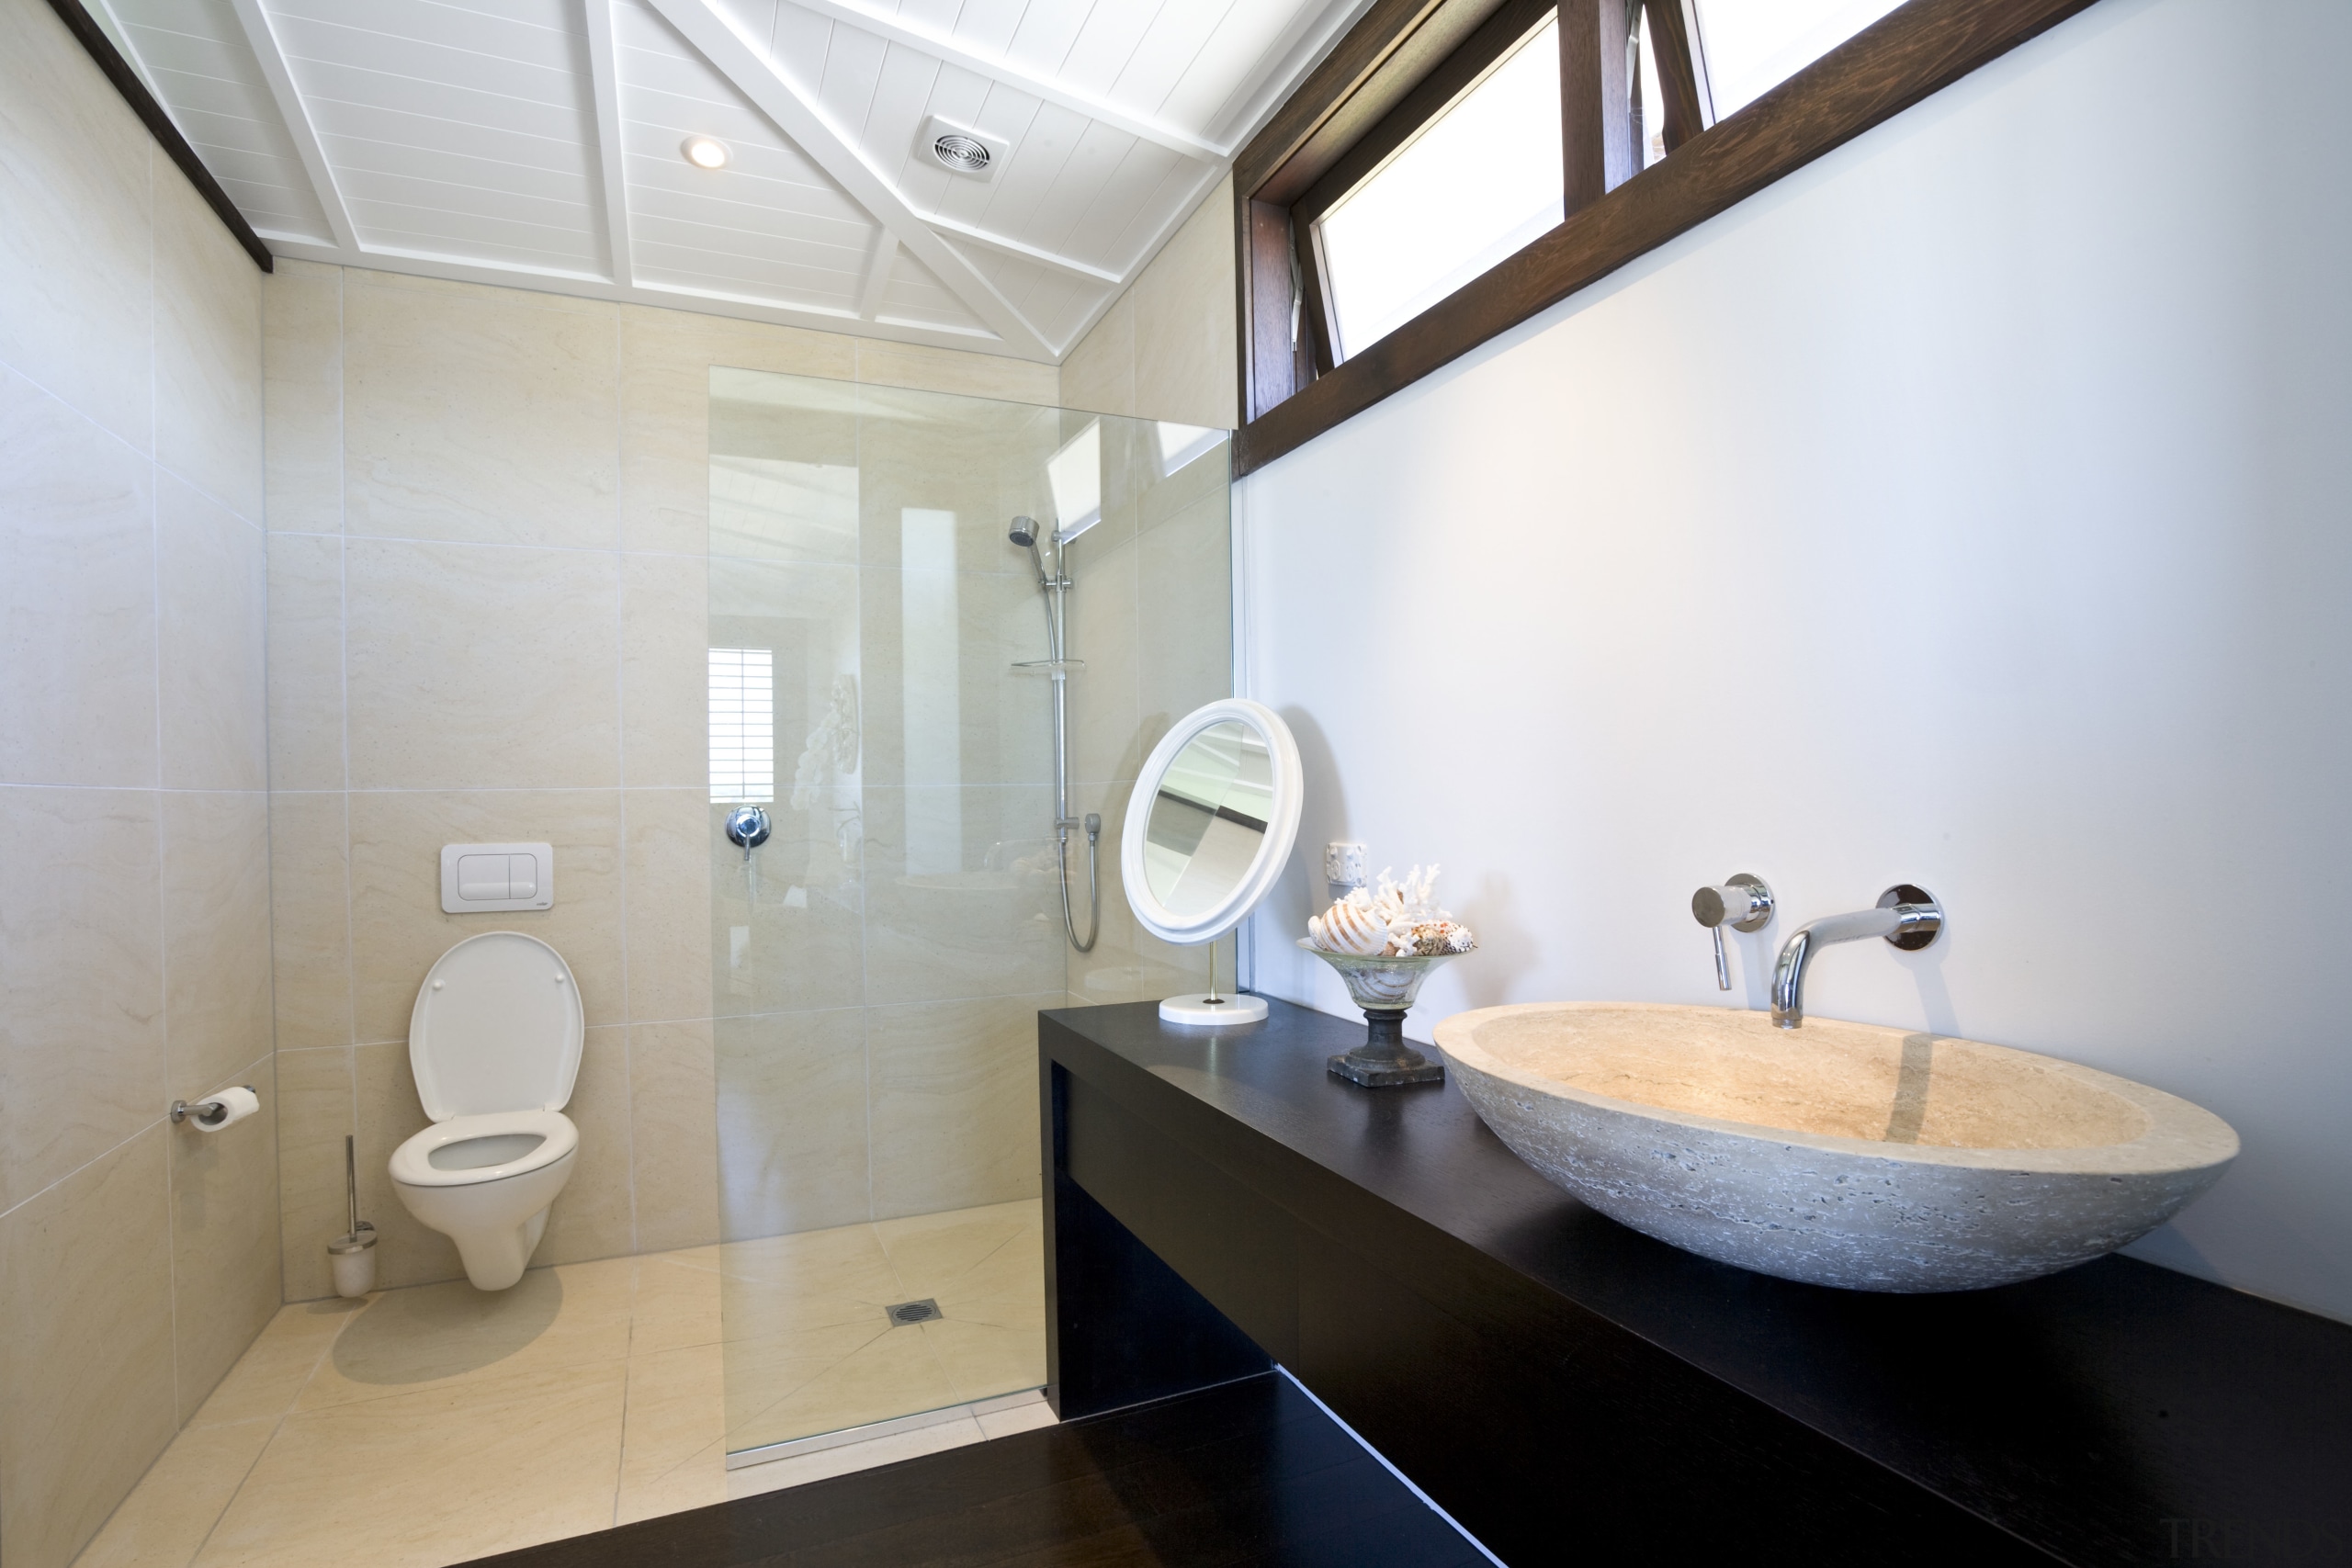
[494, 1042]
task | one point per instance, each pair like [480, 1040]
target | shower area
[944, 632]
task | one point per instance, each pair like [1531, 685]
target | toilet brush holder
[353, 1255]
[352, 1259]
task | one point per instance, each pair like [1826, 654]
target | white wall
[1967, 510]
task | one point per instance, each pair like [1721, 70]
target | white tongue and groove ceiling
[537, 142]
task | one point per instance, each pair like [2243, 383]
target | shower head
[1024, 533]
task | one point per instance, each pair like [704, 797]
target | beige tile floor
[809, 1348]
[428, 1426]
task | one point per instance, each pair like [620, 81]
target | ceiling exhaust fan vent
[961, 154]
[960, 149]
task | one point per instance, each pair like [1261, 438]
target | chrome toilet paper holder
[208, 1112]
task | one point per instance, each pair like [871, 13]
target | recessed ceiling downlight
[705, 151]
[962, 153]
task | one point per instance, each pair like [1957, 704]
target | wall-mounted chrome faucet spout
[1907, 916]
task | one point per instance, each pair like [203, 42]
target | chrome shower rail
[1055, 585]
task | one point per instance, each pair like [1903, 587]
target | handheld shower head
[1024, 533]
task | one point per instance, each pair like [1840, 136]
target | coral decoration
[1395, 921]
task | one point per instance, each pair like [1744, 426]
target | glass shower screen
[880, 958]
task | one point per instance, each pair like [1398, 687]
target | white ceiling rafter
[536, 144]
[1010, 246]
[263, 40]
[946, 48]
[743, 63]
[604, 93]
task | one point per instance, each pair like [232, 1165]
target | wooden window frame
[1408, 59]
[1510, 21]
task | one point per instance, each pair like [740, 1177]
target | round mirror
[1208, 831]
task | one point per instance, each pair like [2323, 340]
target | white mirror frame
[1281, 827]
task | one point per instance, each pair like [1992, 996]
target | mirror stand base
[1384, 1060]
[1210, 1007]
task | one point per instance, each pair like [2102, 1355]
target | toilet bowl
[494, 1042]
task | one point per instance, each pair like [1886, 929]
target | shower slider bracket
[1057, 668]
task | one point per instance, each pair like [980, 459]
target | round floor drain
[905, 1313]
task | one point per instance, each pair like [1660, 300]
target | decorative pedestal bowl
[1385, 988]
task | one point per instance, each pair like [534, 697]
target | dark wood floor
[1248, 1472]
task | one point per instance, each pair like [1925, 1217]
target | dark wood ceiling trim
[143, 103]
[1914, 51]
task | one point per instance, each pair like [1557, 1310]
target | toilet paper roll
[236, 1104]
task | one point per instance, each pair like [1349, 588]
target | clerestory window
[1455, 167]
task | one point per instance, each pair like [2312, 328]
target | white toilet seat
[494, 1041]
[412, 1166]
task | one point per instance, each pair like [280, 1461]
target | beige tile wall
[137, 1259]
[1168, 348]
[1152, 615]
[489, 591]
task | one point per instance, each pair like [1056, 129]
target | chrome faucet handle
[1742, 902]
[748, 826]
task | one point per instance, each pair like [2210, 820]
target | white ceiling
[536, 143]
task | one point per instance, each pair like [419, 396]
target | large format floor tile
[499, 1462]
[437, 1424]
[810, 1346]
[450, 1335]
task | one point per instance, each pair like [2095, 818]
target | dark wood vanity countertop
[2118, 1413]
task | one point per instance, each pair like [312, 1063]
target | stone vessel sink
[1839, 1154]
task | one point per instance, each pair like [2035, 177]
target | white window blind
[743, 725]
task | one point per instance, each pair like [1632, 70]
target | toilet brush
[353, 1257]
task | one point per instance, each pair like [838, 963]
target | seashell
[1428, 938]
[1348, 928]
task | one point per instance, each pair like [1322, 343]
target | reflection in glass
[1179, 444]
[1208, 818]
[742, 725]
[1076, 474]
